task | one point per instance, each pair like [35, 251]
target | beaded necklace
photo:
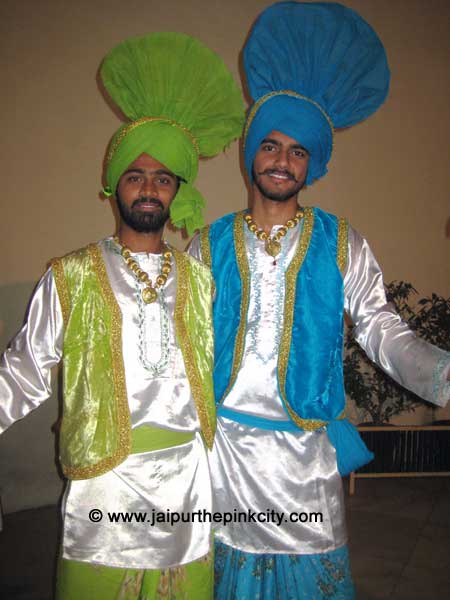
[149, 293]
[273, 243]
[145, 298]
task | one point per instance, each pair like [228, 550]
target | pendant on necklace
[273, 247]
[149, 295]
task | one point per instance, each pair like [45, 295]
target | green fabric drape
[85, 581]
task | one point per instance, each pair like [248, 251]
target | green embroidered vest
[96, 429]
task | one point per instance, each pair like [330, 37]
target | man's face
[144, 194]
[280, 167]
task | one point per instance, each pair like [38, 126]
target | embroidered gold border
[341, 259]
[184, 340]
[289, 305]
[133, 124]
[244, 272]
[123, 413]
[61, 288]
[205, 246]
[342, 244]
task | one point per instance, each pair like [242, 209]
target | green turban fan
[182, 103]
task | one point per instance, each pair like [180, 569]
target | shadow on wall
[28, 472]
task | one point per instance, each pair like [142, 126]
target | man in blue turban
[284, 276]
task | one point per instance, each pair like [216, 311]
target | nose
[148, 187]
[282, 159]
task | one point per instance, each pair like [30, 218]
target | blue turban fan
[311, 68]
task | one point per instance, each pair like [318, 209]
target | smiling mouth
[147, 205]
[279, 175]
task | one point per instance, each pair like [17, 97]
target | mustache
[147, 200]
[279, 172]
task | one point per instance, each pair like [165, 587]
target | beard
[277, 196]
[143, 222]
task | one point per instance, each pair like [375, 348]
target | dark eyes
[297, 152]
[159, 180]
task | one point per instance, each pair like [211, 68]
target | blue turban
[311, 68]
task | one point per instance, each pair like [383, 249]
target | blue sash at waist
[351, 452]
[254, 421]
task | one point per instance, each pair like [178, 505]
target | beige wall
[389, 175]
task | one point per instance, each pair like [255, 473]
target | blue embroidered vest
[310, 373]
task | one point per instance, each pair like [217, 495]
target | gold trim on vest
[244, 272]
[341, 259]
[91, 259]
[342, 244]
[183, 339]
[205, 246]
[289, 306]
[121, 399]
[61, 288]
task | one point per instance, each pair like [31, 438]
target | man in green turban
[131, 318]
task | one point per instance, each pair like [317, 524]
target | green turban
[182, 103]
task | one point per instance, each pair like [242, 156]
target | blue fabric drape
[246, 576]
[324, 51]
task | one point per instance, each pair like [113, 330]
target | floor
[399, 542]
[399, 531]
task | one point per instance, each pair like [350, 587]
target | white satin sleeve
[25, 367]
[194, 248]
[414, 363]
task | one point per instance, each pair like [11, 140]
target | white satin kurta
[292, 472]
[175, 479]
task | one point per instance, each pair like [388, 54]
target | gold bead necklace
[149, 293]
[272, 243]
